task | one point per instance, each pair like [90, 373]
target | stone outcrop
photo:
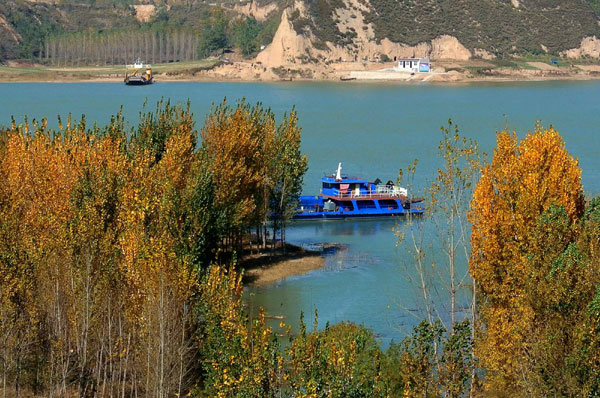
[144, 12]
[11, 31]
[589, 47]
[483, 54]
[448, 47]
[287, 45]
[290, 48]
[252, 9]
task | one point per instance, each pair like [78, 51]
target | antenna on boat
[338, 176]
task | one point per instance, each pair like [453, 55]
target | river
[373, 129]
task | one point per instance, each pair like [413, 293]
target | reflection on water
[362, 281]
[370, 279]
[350, 227]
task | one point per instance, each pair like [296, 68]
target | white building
[413, 65]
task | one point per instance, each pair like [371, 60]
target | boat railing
[381, 192]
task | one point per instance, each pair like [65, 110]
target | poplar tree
[524, 181]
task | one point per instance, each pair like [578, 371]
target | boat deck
[367, 196]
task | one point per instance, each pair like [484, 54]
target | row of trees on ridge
[158, 44]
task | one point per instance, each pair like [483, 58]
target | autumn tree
[233, 140]
[239, 358]
[160, 276]
[524, 181]
[287, 172]
[256, 166]
[106, 235]
[92, 265]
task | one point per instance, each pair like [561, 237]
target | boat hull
[337, 215]
[141, 82]
[315, 208]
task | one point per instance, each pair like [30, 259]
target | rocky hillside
[23, 26]
[323, 31]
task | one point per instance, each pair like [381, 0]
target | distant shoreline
[473, 71]
[158, 80]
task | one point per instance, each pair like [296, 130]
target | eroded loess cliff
[324, 32]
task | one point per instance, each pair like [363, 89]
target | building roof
[413, 59]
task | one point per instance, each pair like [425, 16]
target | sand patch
[144, 12]
[589, 68]
[267, 268]
[282, 270]
[250, 71]
[589, 47]
[542, 66]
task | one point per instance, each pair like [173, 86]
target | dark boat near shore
[351, 197]
[138, 74]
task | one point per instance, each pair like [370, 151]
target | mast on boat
[338, 176]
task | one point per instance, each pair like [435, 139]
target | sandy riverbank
[248, 71]
[272, 266]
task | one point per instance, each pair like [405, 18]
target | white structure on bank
[413, 65]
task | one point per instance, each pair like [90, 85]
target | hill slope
[321, 31]
[373, 29]
[25, 24]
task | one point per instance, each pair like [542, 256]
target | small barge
[346, 197]
[138, 74]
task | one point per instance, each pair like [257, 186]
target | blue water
[374, 129]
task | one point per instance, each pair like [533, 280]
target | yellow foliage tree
[240, 360]
[523, 181]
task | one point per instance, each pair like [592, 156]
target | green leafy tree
[340, 361]
[288, 169]
[213, 37]
[245, 35]
[457, 361]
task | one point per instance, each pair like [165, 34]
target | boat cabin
[348, 188]
[343, 196]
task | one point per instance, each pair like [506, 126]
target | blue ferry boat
[344, 197]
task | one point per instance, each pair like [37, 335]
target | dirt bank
[270, 267]
[444, 71]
